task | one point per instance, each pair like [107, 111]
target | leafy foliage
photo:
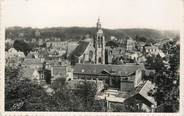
[19, 90]
[20, 45]
[167, 81]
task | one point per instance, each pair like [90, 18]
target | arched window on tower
[90, 55]
[100, 60]
[99, 42]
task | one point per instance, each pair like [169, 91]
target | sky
[157, 14]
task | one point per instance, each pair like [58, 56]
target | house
[140, 46]
[33, 74]
[153, 50]
[49, 63]
[141, 59]
[140, 98]
[12, 52]
[9, 41]
[13, 62]
[113, 53]
[32, 63]
[134, 56]
[14, 58]
[113, 38]
[42, 55]
[122, 77]
[62, 72]
[31, 55]
[20, 54]
[130, 44]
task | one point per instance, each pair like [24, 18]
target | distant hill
[77, 33]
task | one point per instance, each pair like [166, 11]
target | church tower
[99, 44]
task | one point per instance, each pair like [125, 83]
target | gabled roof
[142, 90]
[118, 70]
[71, 48]
[81, 48]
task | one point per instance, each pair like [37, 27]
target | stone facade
[99, 44]
[130, 44]
[91, 50]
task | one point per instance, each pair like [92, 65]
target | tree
[167, 82]
[155, 62]
[21, 94]
[20, 45]
[64, 98]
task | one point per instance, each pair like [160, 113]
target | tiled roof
[143, 90]
[81, 48]
[119, 70]
[70, 49]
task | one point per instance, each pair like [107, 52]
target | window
[90, 55]
[110, 52]
[100, 60]
[99, 42]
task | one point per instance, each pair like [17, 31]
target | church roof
[81, 48]
[118, 70]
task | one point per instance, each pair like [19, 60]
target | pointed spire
[98, 19]
[98, 23]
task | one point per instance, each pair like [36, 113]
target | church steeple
[98, 24]
[99, 44]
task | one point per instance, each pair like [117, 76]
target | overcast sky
[157, 14]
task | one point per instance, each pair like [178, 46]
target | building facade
[99, 44]
[91, 50]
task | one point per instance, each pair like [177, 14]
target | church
[91, 50]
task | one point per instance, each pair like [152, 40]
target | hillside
[77, 33]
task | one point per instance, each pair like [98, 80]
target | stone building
[114, 53]
[153, 50]
[121, 77]
[91, 50]
[14, 58]
[99, 44]
[130, 44]
[61, 72]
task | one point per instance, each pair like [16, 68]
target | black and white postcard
[91, 57]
